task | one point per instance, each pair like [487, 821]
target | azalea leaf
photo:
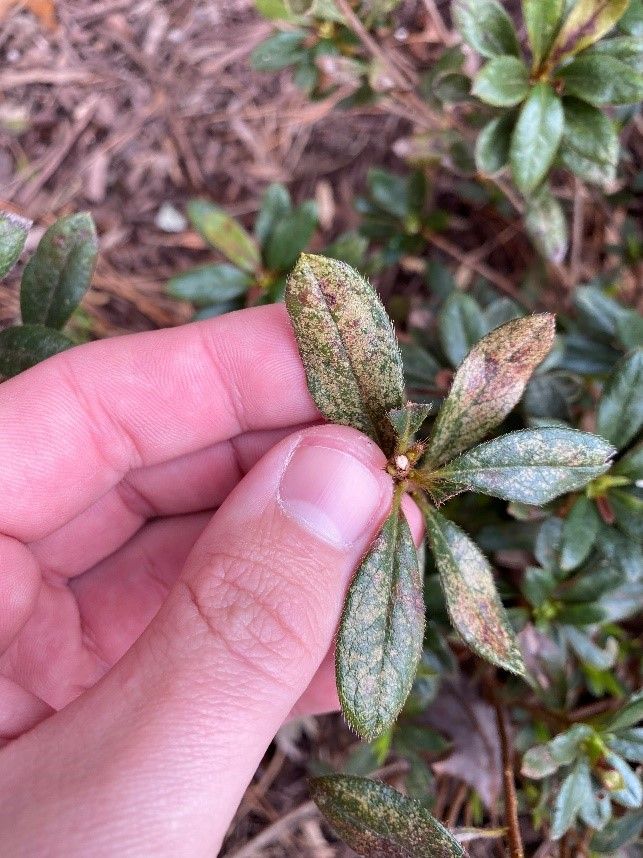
[407, 421]
[380, 635]
[531, 466]
[585, 24]
[574, 792]
[536, 137]
[541, 18]
[620, 411]
[225, 234]
[486, 26]
[474, 606]
[589, 146]
[579, 533]
[347, 346]
[488, 384]
[492, 145]
[13, 234]
[546, 224]
[376, 820]
[24, 346]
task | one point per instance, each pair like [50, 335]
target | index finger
[72, 427]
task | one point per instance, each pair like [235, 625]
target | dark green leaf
[627, 49]
[375, 820]
[629, 328]
[502, 82]
[576, 789]
[209, 284]
[585, 356]
[380, 635]
[617, 833]
[13, 234]
[396, 195]
[532, 466]
[474, 605]
[536, 137]
[279, 51]
[620, 411]
[500, 311]
[347, 345]
[632, 20]
[602, 79]
[275, 205]
[486, 26]
[631, 465]
[489, 383]
[541, 18]
[225, 234]
[597, 311]
[492, 145]
[586, 650]
[420, 366]
[579, 533]
[452, 87]
[586, 23]
[627, 505]
[589, 147]
[546, 224]
[406, 421]
[60, 271]
[552, 395]
[538, 585]
[290, 236]
[581, 615]
[349, 247]
[460, 325]
[26, 345]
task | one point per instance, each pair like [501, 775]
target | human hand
[149, 650]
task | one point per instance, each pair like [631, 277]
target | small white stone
[402, 463]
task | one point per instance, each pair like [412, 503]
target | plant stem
[516, 849]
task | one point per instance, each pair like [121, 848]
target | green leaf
[502, 82]
[546, 224]
[472, 599]
[576, 789]
[629, 744]
[24, 346]
[275, 205]
[452, 87]
[543, 760]
[586, 650]
[380, 635]
[632, 20]
[460, 326]
[406, 421]
[225, 234]
[631, 795]
[275, 10]
[349, 247]
[601, 79]
[347, 346]
[627, 49]
[279, 51]
[617, 833]
[627, 505]
[290, 236]
[486, 26]
[596, 812]
[579, 533]
[630, 329]
[300, 7]
[376, 820]
[209, 284]
[489, 383]
[541, 18]
[492, 145]
[531, 466]
[620, 410]
[536, 137]
[585, 24]
[597, 311]
[60, 271]
[420, 367]
[589, 146]
[13, 234]
[396, 195]
[631, 465]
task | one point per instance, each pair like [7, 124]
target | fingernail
[331, 494]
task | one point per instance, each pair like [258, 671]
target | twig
[511, 802]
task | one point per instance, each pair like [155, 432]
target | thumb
[193, 706]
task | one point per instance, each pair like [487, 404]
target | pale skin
[176, 540]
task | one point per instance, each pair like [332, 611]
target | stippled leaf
[380, 635]
[536, 137]
[460, 326]
[492, 145]
[486, 26]
[225, 234]
[541, 18]
[602, 79]
[474, 605]
[589, 146]
[546, 224]
[579, 533]
[620, 411]
[210, 284]
[13, 234]
[574, 792]
[531, 466]
[502, 82]
[489, 383]
[347, 345]
[60, 271]
[378, 821]
[585, 24]
[24, 346]
[406, 421]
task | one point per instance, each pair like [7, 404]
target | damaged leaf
[380, 635]
[489, 383]
[347, 345]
